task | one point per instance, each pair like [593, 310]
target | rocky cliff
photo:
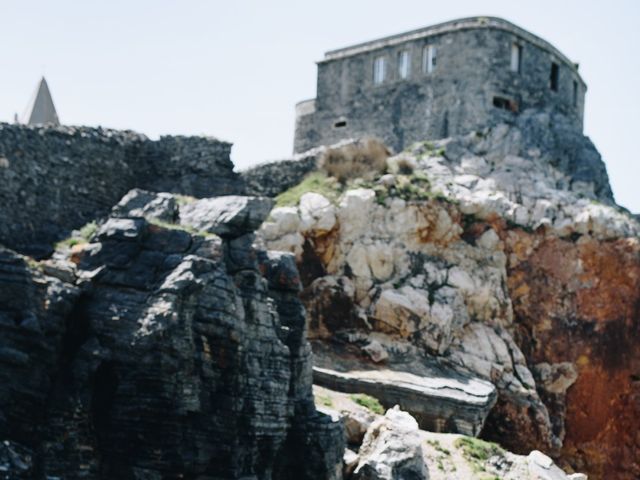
[485, 284]
[495, 260]
[165, 347]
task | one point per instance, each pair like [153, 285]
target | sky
[235, 69]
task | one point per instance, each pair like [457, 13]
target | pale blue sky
[235, 69]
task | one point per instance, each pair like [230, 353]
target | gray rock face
[229, 216]
[55, 179]
[142, 203]
[270, 179]
[439, 398]
[392, 450]
[161, 362]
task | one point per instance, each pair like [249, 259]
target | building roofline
[467, 23]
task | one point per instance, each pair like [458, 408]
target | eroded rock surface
[169, 355]
[502, 257]
[392, 450]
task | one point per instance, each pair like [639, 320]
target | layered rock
[392, 450]
[438, 397]
[502, 255]
[168, 355]
[390, 445]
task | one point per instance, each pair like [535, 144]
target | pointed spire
[41, 109]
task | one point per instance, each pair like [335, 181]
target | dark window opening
[575, 93]
[555, 72]
[340, 124]
[505, 104]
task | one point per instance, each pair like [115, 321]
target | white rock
[354, 213]
[488, 240]
[380, 259]
[405, 311]
[461, 279]
[358, 262]
[350, 462]
[317, 213]
[392, 450]
[541, 467]
[376, 351]
[286, 218]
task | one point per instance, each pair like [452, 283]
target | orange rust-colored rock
[579, 302]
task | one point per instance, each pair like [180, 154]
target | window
[553, 78]
[505, 104]
[378, 70]
[428, 58]
[403, 64]
[575, 93]
[516, 58]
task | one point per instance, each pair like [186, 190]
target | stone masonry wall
[472, 68]
[54, 179]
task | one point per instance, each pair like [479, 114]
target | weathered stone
[440, 398]
[168, 363]
[541, 467]
[150, 205]
[392, 450]
[356, 424]
[316, 212]
[376, 351]
[350, 461]
[228, 216]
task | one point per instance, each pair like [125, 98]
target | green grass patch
[368, 402]
[317, 182]
[437, 446]
[84, 235]
[477, 451]
[324, 400]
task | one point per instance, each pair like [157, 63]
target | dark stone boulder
[151, 205]
[229, 216]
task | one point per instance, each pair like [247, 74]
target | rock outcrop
[392, 450]
[390, 445]
[499, 254]
[151, 352]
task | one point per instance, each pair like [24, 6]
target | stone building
[435, 82]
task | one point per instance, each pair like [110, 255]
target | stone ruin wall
[54, 179]
[472, 70]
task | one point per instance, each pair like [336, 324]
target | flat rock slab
[440, 398]
[229, 216]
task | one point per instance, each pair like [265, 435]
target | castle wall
[54, 179]
[473, 67]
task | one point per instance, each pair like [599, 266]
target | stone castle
[438, 81]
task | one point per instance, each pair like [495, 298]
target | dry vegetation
[366, 158]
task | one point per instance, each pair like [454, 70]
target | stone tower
[41, 109]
